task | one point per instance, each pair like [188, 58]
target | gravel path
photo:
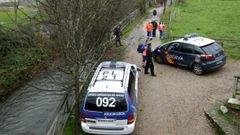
[172, 103]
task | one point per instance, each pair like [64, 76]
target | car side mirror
[138, 69]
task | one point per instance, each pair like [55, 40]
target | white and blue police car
[197, 53]
[109, 106]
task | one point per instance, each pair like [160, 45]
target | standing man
[117, 33]
[149, 63]
[154, 14]
[144, 55]
[149, 28]
[155, 26]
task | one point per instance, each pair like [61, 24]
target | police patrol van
[109, 106]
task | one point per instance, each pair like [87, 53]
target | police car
[192, 51]
[109, 106]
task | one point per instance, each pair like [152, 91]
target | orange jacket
[161, 27]
[149, 26]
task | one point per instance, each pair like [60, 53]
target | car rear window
[106, 102]
[211, 48]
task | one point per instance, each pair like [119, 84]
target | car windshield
[211, 48]
[106, 102]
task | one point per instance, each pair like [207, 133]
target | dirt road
[172, 103]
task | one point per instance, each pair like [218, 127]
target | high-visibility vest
[162, 27]
[149, 27]
[144, 53]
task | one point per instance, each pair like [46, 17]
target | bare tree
[164, 4]
[80, 29]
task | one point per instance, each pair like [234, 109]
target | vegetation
[7, 16]
[217, 19]
[232, 116]
[21, 53]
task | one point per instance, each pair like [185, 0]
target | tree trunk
[77, 114]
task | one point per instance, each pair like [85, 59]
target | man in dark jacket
[117, 33]
[149, 63]
[155, 25]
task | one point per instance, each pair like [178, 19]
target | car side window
[131, 83]
[198, 50]
[186, 48]
[173, 47]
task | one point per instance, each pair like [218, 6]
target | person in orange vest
[149, 28]
[161, 28]
[144, 54]
[149, 61]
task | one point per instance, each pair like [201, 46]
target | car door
[172, 54]
[134, 85]
[186, 51]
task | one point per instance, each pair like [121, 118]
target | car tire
[197, 69]
[159, 59]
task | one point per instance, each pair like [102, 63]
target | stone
[234, 103]
[223, 109]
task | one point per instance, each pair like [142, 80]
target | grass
[71, 126]
[7, 16]
[230, 118]
[217, 19]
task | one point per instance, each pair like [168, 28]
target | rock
[223, 109]
[233, 103]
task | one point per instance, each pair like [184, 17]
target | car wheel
[197, 69]
[159, 59]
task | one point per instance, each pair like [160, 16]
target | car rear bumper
[211, 66]
[128, 129]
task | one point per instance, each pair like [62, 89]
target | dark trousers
[118, 40]
[154, 33]
[150, 65]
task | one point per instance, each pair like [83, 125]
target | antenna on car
[186, 37]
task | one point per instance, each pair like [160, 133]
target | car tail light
[131, 119]
[208, 57]
[83, 119]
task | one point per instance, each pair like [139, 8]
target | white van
[110, 103]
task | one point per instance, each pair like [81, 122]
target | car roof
[196, 40]
[110, 77]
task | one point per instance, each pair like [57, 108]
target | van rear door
[105, 110]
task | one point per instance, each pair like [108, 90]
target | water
[32, 109]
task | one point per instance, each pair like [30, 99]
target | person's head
[149, 45]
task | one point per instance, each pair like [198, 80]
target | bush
[11, 40]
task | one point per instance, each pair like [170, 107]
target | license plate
[106, 120]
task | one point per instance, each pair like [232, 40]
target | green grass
[7, 16]
[230, 118]
[217, 19]
[72, 125]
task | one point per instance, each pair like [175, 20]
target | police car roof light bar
[186, 37]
